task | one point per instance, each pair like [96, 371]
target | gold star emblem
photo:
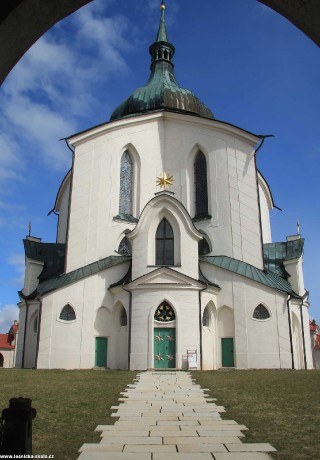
[165, 180]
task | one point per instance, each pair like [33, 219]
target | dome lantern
[162, 91]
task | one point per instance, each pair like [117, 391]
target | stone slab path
[166, 416]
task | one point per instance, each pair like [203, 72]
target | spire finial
[162, 33]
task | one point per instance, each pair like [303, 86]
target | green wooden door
[227, 352]
[101, 352]
[164, 348]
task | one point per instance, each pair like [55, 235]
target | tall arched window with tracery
[126, 184]
[201, 186]
[164, 244]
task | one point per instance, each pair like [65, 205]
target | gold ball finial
[162, 7]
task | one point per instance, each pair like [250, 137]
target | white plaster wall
[62, 206]
[32, 271]
[209, 337]
[245, 216]
[307, 336]
[258, 344]
[294, 268]
[265, 216]
[31, 338]
[164, 142]
[185, 238]
[71, 345]
[19, 340]
[301, 335]
[8, 357]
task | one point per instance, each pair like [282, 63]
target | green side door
[101, 349]
[164, 348]
[227, 350]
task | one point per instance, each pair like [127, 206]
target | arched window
[164, 244]
[203, 247]
[201, 187]
[125, 247]
[67, 313]
[261, 312]
[164, 313]
[123, 317]
[126, 184]
[206, 318]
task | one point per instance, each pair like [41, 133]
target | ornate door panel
[164, 348]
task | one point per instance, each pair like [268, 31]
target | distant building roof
[5, 342]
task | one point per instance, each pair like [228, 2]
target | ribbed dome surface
[162, 90]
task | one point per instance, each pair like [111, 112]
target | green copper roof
[276, 253]
[266, 277]
[51, 254]
[77, 275]
[57, 282]
[162, 32]
[162, 90]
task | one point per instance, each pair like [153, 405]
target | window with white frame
[201, 186]
[67, 313]
[261, 312]
[164, 244]
[126, 184]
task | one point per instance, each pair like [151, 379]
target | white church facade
[143, 274]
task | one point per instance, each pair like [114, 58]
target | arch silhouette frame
[23, 22]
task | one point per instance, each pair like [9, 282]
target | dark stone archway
[22, 22]
[304, 14]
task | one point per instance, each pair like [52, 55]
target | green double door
[164, 348]
[101, 350]
[227, 351]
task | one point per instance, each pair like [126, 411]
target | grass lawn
[279, 407]
[70, 404]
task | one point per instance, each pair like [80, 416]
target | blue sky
[248, 64]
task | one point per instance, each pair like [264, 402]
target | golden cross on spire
[164, 180]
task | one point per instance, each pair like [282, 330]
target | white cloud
[8, 313]
[49, 92]
[18, 262]
[10, 160]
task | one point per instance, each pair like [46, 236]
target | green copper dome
[162, 90]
